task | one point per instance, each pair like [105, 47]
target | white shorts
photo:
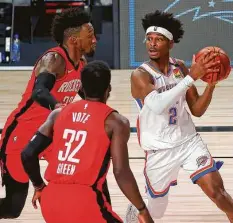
[162, 166]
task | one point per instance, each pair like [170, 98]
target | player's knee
[14, 215]
[9, 210]
[9, 214]
[157, 206]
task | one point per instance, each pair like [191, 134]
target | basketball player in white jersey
[161, 87]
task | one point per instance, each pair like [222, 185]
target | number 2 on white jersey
[173, 116]
[74, 136]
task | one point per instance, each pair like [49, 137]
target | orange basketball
[224, 66]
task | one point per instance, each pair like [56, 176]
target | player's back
[174, 126]
[80, 151]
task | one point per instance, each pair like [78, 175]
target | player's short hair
[69, 19]
[164, 20]
[95, 78]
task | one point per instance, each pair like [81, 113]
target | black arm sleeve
[41, 92]
[29, 157]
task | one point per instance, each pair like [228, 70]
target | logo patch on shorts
[202, 160]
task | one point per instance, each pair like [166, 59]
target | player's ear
[171, 44]
[73, 39]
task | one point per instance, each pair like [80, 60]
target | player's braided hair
[69, 19]
[165, 20]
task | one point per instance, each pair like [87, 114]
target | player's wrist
[188, 80]
[142, 208]
[212, 85]
[39, 187]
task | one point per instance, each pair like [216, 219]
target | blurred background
[118, 28]
[25, 35]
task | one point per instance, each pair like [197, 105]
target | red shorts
[15, 168]
[73, 203]
[16, 142]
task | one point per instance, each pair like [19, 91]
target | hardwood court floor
[219, 113]
[187, 202]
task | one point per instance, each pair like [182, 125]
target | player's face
[87, 39]
[157, 46]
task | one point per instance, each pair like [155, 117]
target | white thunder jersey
[174, 126]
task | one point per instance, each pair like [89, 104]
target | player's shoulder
[53, 56]
[117, 119]
[54, 114]
[139, 72]
[51, 62]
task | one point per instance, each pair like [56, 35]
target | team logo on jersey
[202, 160]
[70, 86]
[85, 106]
[177, 73]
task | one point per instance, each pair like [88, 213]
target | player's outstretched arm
[121, 169]
[198, 104]
[50, 67]
[39, 142]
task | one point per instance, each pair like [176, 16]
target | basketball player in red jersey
[55, 81]
[83, 141]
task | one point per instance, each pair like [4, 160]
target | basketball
[224, 66]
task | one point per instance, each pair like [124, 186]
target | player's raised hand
[204, 65]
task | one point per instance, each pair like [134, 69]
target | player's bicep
[118, 147]
[141, 84]
[46, 128]
[52, 63]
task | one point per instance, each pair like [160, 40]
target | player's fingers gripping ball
[224, 65]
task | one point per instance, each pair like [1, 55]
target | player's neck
[74, 55]
[95, 99]
[161, 64]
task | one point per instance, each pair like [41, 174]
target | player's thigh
[73, 203]
[199, 161]
[15, 168]
[161, 171]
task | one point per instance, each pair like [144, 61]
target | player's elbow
[37, 94]
[120, 173]
[197, 113]
[117, 172]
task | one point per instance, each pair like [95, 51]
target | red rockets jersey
[29, 115]
[81, 151]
